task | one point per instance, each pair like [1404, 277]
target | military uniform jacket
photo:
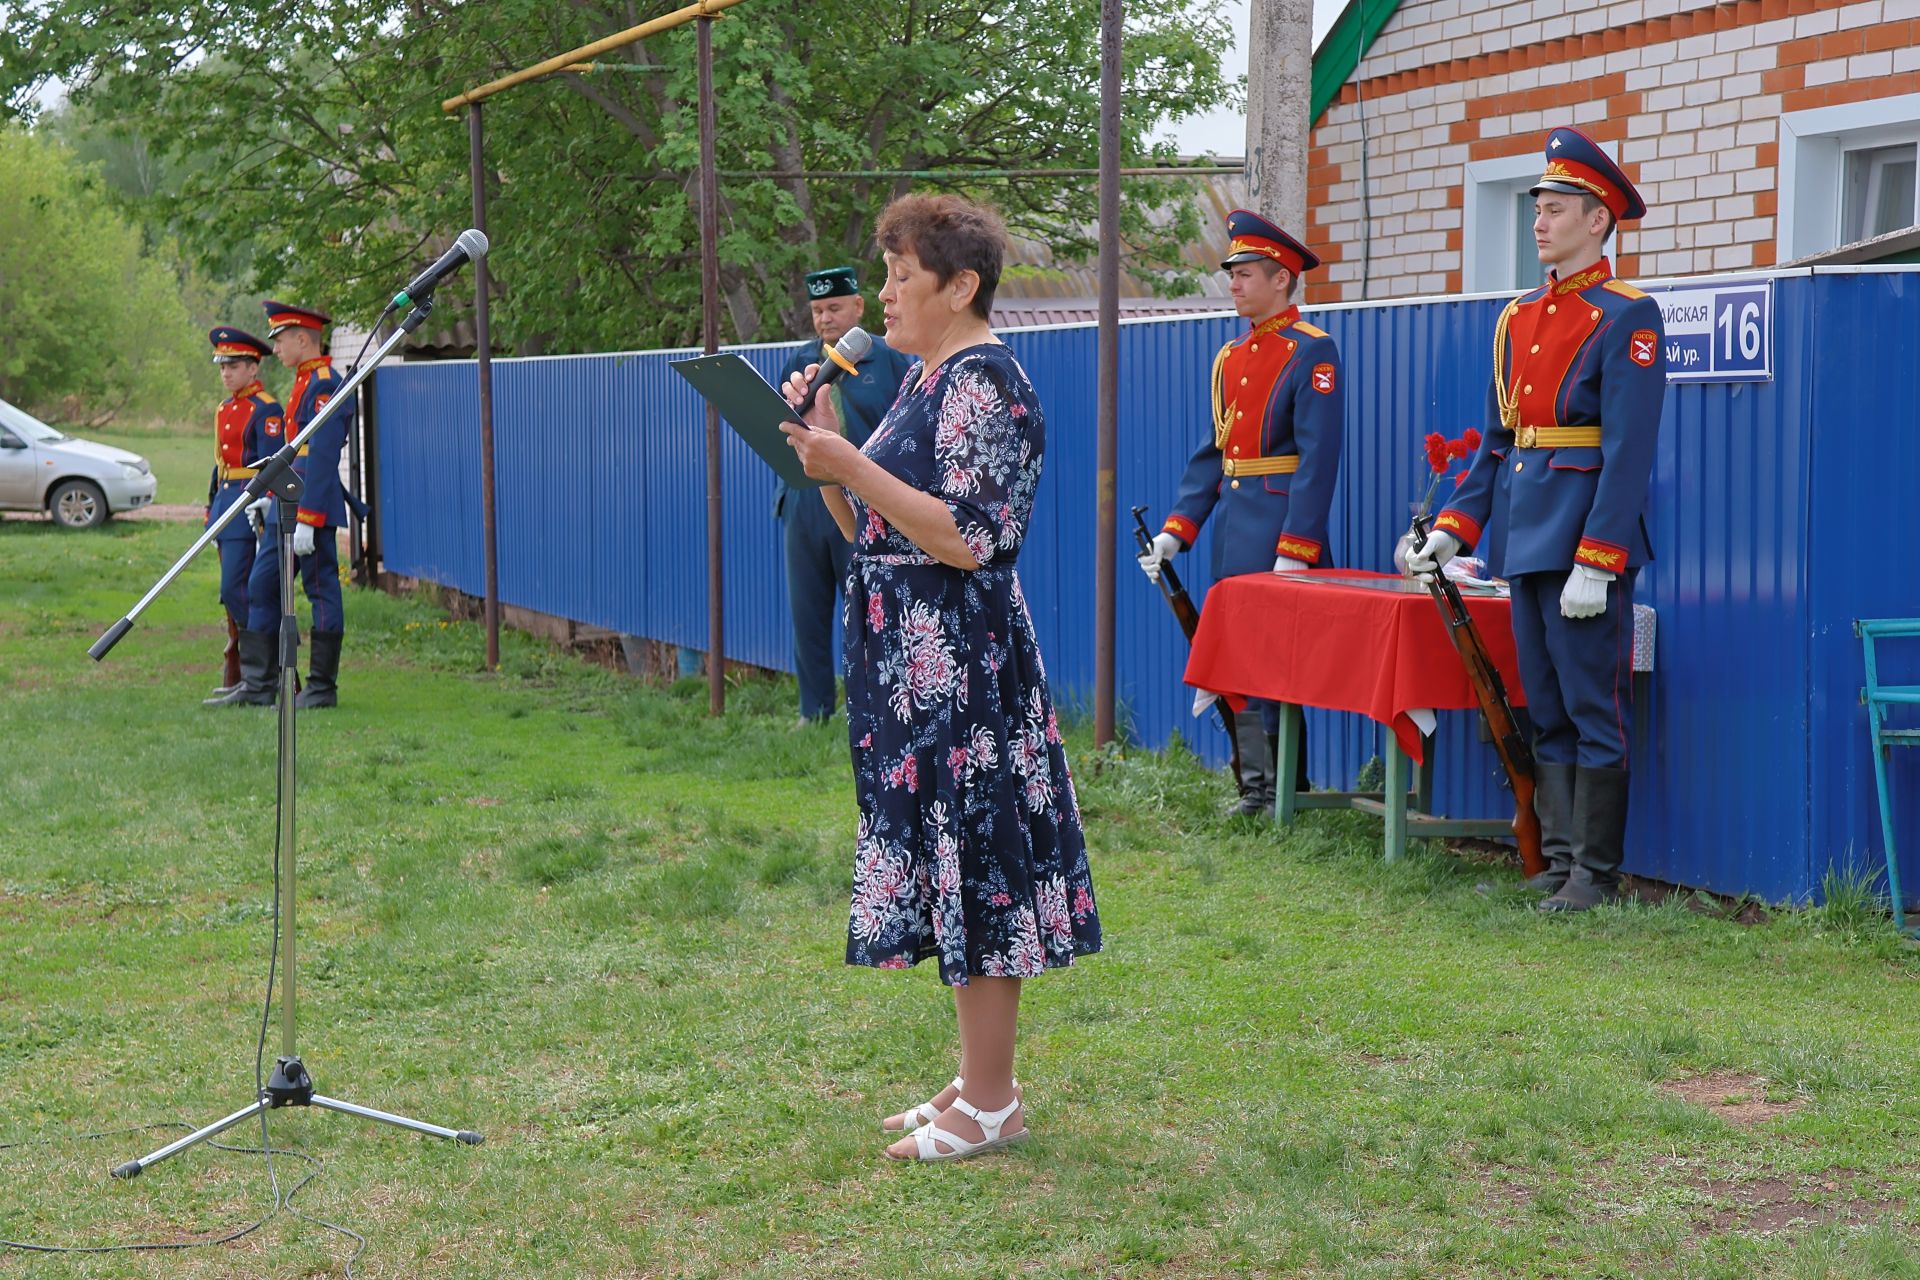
[1270, 466]
[246, 428]
[863, 399]
[1580, 375]
[318, 464]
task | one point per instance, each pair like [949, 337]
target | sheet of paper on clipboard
[751, 407]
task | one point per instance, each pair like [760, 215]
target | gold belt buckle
[1523, 437]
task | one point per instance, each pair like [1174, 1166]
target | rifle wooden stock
[1516, 757]
[1188, 617]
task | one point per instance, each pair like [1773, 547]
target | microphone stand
[290, 1085]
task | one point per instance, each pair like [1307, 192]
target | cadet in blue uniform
[816, 551]
[295, 333]
[1267, 471]
[1579, 377]
[241, 428]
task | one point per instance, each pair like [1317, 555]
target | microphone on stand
[841, 358]
[470, 247]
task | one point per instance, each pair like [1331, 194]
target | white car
[79, 483]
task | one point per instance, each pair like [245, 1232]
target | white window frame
[1486, 243]
[1813, 148]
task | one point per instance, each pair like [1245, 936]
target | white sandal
[990, 1122]
[925, 1113]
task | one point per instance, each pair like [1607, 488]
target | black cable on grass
[266, 1148]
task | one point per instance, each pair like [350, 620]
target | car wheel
[78, 504]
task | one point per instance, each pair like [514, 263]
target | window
[1878, 192]
[1848, 173]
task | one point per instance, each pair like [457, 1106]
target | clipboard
[751, 407]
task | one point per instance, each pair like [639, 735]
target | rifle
[230, 670]
[1188, 617]
[1516, 757]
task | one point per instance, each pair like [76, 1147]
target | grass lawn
[575, 914]
[182, 458]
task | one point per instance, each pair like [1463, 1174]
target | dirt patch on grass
[1772, 1201]
[1736, 1098]
[179, 512]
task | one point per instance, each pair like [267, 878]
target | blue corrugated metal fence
[1752, 773]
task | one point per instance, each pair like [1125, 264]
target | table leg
[1423, 786]
[1287, 767]
[1395, 799]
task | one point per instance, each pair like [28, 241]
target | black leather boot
[1256, 767]
[323, 676]
[1599, 840]
[259, 673]
[1553, 805]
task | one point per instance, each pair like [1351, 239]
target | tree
[335, 161]
[94, 325]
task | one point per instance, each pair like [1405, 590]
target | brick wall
[1689, 91]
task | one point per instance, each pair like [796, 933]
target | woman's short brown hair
[948, 234]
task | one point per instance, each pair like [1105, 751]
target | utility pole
[1279, 90]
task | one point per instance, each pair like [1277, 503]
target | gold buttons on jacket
[1536, 348]
[1552, 307]
[1239, 413]
[1596, 315]
[1527, 390]
[1236, 450]
[1236, 484]
[1243, 382]
[1518, 465]
[1256, 346]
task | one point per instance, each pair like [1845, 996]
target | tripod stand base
[291, 1086]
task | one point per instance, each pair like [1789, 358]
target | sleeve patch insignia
[1643, 346]
[320, 401]
[273, 426]
[1323, 379]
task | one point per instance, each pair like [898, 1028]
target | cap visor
[1565, 188]
[1246, 256]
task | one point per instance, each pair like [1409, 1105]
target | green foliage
[93, 324]
[315, 134]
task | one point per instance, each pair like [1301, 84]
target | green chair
[1879, 698]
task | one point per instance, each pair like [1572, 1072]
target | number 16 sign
[1719, 332]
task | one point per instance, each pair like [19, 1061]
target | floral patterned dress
[970, 846]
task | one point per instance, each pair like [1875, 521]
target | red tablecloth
[1381, 651]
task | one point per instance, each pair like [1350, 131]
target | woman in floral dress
[970, 850]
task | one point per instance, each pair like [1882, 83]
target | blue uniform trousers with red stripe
[1577, 672]
[319, 575]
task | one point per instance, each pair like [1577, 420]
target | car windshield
[27, 426]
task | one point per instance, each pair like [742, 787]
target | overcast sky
[1225, 132]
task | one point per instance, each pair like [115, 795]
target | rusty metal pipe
[483, 359]
[1108, 449]
[705, 9]
[710, 343]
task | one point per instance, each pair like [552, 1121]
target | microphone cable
[266, 1149]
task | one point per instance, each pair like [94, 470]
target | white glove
[257, 514]
[1425, 560]
[1164, 547]
[303, 539]
[1585, 595]
[1287, 564]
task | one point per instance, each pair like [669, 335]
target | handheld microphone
[841, 358]
[470, 247]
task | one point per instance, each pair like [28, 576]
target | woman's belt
[921, 558]
[1283, 465]
[1556, 437]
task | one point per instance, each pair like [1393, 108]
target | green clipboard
[751, 407]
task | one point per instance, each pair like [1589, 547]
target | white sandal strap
[990, 1122]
